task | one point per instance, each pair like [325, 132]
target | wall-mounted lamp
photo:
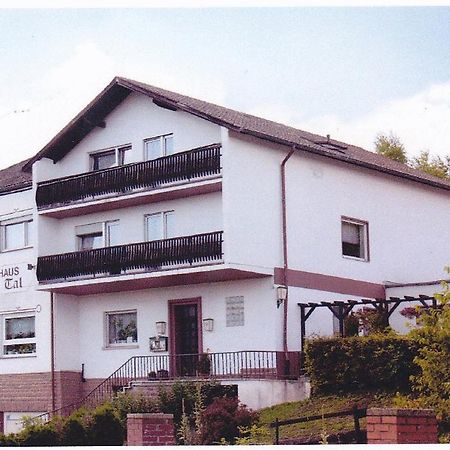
[281, 295]
[161, 328]
[208, 324]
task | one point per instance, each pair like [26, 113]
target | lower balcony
[184, 251]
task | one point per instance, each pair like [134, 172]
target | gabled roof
[13, 178]
[95, 113]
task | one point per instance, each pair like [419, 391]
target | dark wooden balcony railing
[141, 256]
[196, 163]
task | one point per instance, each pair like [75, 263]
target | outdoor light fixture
[281, 295]
[161, 328]
[208, 324]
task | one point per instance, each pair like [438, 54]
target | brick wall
[401, 426]
[150, 429]
[29, 392]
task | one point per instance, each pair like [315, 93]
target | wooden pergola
[341, 309]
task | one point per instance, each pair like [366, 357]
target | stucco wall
[135, 119]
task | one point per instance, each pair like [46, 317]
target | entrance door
[186, 335]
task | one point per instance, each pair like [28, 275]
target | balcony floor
[158, 279]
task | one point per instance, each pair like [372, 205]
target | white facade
[406, 232]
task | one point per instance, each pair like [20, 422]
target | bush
[106, 428]
[40, 435]
[355, 364]
[130, 403]
[222, 419]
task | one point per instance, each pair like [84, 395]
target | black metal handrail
[247, 364]
[149, 255]
[196, 163]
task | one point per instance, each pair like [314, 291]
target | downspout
[285, 246]
[52, 348]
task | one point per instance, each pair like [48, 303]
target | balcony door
[185, 335]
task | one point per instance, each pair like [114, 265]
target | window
[109, 158]
[157, 147]
[16, 233]
[121, 328]
[19, 337]
[355, 239]
[98, 235]
[159, 226]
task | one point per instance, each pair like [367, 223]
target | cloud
[420, 121]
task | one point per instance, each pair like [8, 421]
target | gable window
[121, 328]
[109, 158]
[98, 235]
[157, 147]
[16, 233]
[159, 226]
[355, 239]
[19, 336]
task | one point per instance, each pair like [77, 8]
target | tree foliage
[433, 165]
[391, 147]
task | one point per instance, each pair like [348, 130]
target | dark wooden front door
[185, 330]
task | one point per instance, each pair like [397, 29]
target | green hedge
[354, 364]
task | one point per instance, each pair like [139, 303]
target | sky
[344, 71]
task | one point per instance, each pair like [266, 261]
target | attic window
[109, 158]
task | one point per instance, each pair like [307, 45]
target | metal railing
[248, 364]
[196, 163]
[149, 255]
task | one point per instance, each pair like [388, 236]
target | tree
[391, 147]
[434, 165]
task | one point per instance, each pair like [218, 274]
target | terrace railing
[192, 164]
[142, 256]
[252, 364]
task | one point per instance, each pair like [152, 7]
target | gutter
[52, 349]
[285, 245]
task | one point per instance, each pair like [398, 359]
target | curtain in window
[351, 233]
[19, 328]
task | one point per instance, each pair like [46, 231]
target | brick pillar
[401, 426]
[150, 429]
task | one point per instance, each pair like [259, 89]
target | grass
[317, 406]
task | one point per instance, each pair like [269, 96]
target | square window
[159, 226]
[158, 147]
[121, 328]
[109, 158]
[355, 239]
[16, 234]
[19, 335]
[98, 235]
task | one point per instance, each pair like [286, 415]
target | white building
[154, 214]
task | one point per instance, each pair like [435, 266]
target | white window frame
[119, 153]
[163, 215]
[104, 226]
[109, 345]
[18, 341]
[25, 220]
[162, 145]
[364, 244]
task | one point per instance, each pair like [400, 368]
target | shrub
[354, 364]
[222, 419]
[130, 403]
[106, 428]
[39, 435]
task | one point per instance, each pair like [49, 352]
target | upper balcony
[183, 174]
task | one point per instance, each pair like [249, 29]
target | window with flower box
[121, 328]
[19, 335]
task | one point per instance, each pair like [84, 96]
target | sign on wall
[16, 277]
[235, 311]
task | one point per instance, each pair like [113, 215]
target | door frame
[172, 335]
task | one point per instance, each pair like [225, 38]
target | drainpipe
[285, 245]
[52, 348]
